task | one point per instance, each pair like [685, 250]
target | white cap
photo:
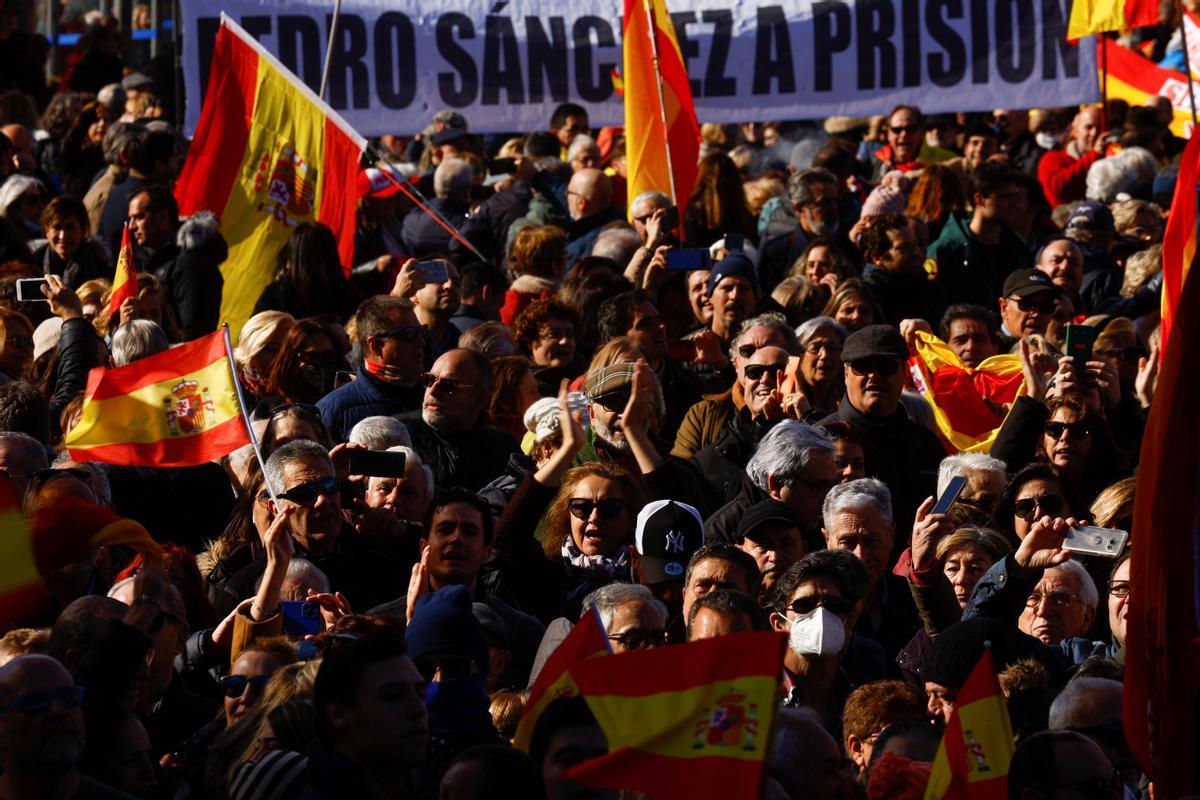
[45, 338]
[541, 418]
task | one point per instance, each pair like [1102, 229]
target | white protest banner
[505, 65]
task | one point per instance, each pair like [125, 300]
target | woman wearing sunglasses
[1036, 491]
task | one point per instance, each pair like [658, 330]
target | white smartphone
[1102, 542]
[29, 290]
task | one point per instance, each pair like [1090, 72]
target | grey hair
[1108, 178]
[800, 184]
[607, 598]
[1140, 160]
[619, 244]
[785, 452]
[379, 433]
[773, 320]
[291, 453]
[1087, 587]
[118, 137]
[197, 230]
[646, 197]
[579, 143]
[36, 451]
[959, 463]
[16, 185]
[1085, 702]
[137, 339]
[301, 570]
[99, 482]
[857, 495]
[453, 178]
[809, 329]
[412, 457]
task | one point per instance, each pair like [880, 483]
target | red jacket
[1064, 177]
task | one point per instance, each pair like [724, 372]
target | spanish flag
[554, 682]
[1100, 16]
[965, 401]
[178, 408]
[1162, 635]
[1135, 79]
[125, 285]
[268, 154]
[1179, 240]
[648, 141]
[972, 760]
[685, 721]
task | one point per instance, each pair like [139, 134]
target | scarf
[612, 566]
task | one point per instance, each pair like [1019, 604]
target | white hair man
[407, 497]
[137, 339]
[985, 476]
[379, 433]
[633, 618]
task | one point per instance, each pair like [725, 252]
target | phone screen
[688, 258]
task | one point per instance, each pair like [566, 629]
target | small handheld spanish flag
[125, 285]
[178, 408]
[972, 760]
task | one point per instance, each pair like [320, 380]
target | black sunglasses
[614, 401]
[1045, 306]
[609, 507]
[305, 407]
[638, 639]
[1050, 505]
[836, 605]
[408, 333]
[1078, 430]
[880, 366]
[307, 493]
[66, 698]
[447, 385]
[755, 372]
[235, 685]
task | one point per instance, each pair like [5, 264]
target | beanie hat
[444, 622]
[732, 264]
[884, 200]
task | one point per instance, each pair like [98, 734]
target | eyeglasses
[885, 367]
[903, 129]
[821, 487]
[639, 639]
[1078, 430]
[307, 493]
[1058, 599]
[408, 333]
[756, 372]
[1048, 504]
[235, 685]
[836, 605]
[608, 508]
[67, 698]
[20, 341]
[1121, 353]
[815, 348]
[1043, 306]
[447, 385]
[557, 334]
[1118, 588]
[305, 407]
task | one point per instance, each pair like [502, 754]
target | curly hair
[539, 250]
[558, 516]
[528, 324]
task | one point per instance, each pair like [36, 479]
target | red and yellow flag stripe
[268, 155]
[1134, 78]
[177, 408]
[125, 284]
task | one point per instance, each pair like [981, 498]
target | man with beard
[42, 733]
[450, 431]
[814, 197]
[625, 408]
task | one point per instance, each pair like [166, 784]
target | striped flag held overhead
[125, 285]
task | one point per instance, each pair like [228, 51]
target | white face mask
[817, 633]
[1047, 140]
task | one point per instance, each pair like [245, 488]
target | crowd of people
[696, 417]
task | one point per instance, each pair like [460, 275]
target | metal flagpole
[333, 26]
[662, 108]
[1187, 66]
[241, 398]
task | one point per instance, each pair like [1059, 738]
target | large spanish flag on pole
[268, 154]
[1162, 636]
[1099, 16]
[977, 747]
[685, 721]
[178, 408]
[1135, 79]
[966, 402]
[662, 136]
[1179, 240]
[587, 639]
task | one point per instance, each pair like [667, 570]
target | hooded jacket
[971, 271]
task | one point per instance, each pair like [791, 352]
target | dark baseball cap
[1025, 282]
[668, 534]
[874, 341]
[763, 512]
[448, 135]
[1091, 216]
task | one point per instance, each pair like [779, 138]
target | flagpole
[241, 398]
[1187, 67]
[414, 194]
[333, 26]
[662, 107]
[1103, 40]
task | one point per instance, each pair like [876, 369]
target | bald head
[1085, 128]
[589, 191]
[1086, 703]
[37, 747]
[453, 178]
[18, 675]
[20, 136]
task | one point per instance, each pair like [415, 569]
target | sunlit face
[1035, 499]
[818, 263]
[1118, 602]
[850, 460]
[1068, 440]
[254, 666]
[904, 134]
[1056, 610]
[865, 533]
[709, 575]
[555, 343]
[1062, 261]
[854, 313]
[1028, 315]
[598, 532]
[65, 236]
[963, 568]
[821, 358]
[971, 341]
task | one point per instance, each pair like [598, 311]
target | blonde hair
[1140, 268]
[257, 331]
[1114, 502]
[985, 539]
[506, 709]
[22, 642]
[758, 192]
[617, 350]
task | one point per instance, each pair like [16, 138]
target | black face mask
[315, 378]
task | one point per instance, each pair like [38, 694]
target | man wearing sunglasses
[393, 347]
[899, 452]
[1027, 305]
[906, 149]
[816, 604]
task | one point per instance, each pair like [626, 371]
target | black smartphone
[688, 258]
[735, 243]
[376, 463]
[1080, 339]
[670, 220]
[435, 271]
[29, 290]
[953, 490]
[502, 166]
[301, 618]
